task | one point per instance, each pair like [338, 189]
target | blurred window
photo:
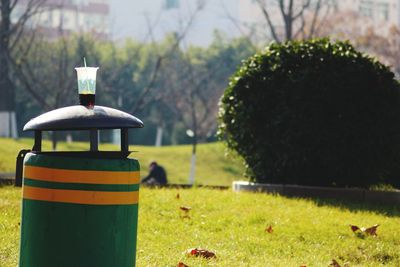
[88, 22]
[383, 11]
[66, 20]
[17, 13]
[366, 8]
[170, 4]
[47, 18]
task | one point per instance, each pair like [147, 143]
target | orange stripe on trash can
[81, 176]
[80, 196]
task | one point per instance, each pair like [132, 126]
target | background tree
[126, 78]
[382, 42]
[282, 20]
[11, 31]
[197, 86]
[144, 79]
[121, 80]
[385, 47]
[48, 71]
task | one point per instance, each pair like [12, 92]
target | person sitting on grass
[156, 176]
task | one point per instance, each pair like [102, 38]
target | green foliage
[124, 80]
[232, 225]
[314, 113]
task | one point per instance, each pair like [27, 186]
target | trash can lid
[82, 118]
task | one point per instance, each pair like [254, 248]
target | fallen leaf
[354, 227]
[269, 229]
[185, 209]
[303, 265]
[178, 196]
[181, 264]
[198, 252]
[370, 230]
[334, 263]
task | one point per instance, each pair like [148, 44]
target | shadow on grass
[343, 204]
[387, 210]
[352, 199]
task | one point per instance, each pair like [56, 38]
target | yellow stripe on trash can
[80, 196]
[81, 176]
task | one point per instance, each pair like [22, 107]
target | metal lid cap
[82, 118]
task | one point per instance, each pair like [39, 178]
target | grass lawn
[212, 167]
[233, 225]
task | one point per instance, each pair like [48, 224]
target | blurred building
[380, 14]
[67, 16]
[377, 11]
[121, 19]
[147, 20]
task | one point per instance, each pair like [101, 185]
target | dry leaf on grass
[198, 252]
[269, 229]
[369, 231]
[185, 209]
[181, 264]
[354, 228]
[186, 212]
[303, 265]
[334, 263]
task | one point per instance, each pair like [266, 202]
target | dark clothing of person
[157, 175]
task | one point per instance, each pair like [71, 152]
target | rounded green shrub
[314, 113]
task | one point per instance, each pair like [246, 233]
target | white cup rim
[79, 68]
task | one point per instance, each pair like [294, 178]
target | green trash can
[79, 208]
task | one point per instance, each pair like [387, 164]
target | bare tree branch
[28, 86]
[32, 8]
[13, 4]
[301, 28]
[141, 100]
[295, 17]
[237, 25]
[160, 58]
[10, 34]
[314, 18]
[303, 7]
[264, 10]
[191, 97]
[324, 17]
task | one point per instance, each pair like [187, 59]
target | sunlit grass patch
[233, 225]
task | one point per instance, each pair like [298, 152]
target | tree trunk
[159, 136]
[68, 138]
[116, 136]
[194, 138]
[8, 124]
[7, 92]
[193, 161]
[54, 140]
